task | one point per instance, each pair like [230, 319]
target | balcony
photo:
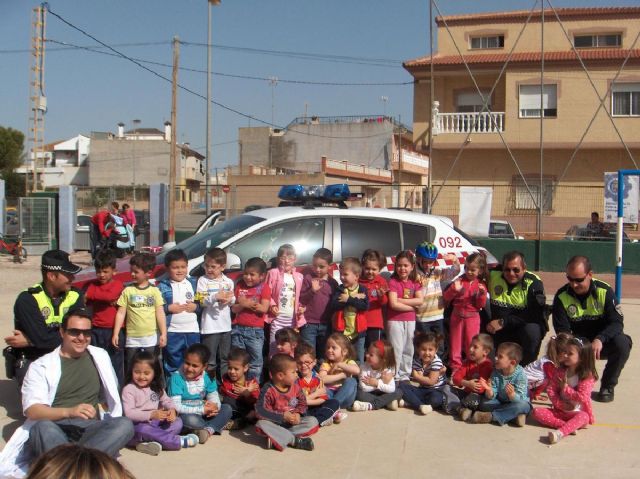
[484, 122]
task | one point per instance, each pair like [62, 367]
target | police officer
[517, 306]
[587, 307]
[38, 311]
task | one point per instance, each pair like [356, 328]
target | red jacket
[100, 219]
[102, 299]
[226, 389]
[469, 300]
[470, 370]
[377, 303]
[581, 394]
[361, 306]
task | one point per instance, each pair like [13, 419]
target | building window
[529, 99]
[471, 102]
[597, 41]
[625, 99]
[529, 201]
[493, 41]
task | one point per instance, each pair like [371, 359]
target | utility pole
[37, 97]
[207, 189]
[174, 145]
[136, 124]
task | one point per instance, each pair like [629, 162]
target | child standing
[180, 308]
[429, 372]
[338, 371]
[468, 295]
[507, 394]
[216, 291]
[141, 305]
[434, 279]
[101, 296]
[195, 395]
[540, 371]
[376, 388]
[570, 391]
[405, 295]
[476, 366]
[239, 391]
[252, 303]
[350, 301]
[285, 284]
[377, 288]
[154, 416]
[318, 402]
[287, 340]
[317, 290]
[282, 408]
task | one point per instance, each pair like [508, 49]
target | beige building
[492, 143]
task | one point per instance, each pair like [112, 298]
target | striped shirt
[425, 369]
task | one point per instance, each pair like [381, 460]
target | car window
[500, 229]
[359, 234]
[413, 235]
[306, 235]
[198, 245]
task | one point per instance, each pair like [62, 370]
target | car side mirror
[234, 263]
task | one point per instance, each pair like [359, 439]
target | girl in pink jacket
[285, 283]
[468, 294]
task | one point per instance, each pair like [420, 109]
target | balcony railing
[485, 122]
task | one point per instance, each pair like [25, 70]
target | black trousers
[616, 351]
[529, 337]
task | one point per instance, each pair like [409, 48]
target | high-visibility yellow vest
[46, 307]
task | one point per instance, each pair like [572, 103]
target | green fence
[553, 255]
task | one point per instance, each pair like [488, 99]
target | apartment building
[496, 142]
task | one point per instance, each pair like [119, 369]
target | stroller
[121, 240]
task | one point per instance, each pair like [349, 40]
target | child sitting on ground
[570, 391]
[540, 371]
[155, 422]
[476, 366]
[287, 340]
[376, 388]
[196, 395]
[238, 391]
[507, 397]
[338, 371]
[429, 372]
[318, 402]
[282, 408]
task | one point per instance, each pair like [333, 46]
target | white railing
[486, 122]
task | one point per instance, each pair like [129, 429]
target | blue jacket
[167, 294]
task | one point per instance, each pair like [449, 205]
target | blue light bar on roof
[328, 193]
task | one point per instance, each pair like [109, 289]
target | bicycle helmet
[427, 250]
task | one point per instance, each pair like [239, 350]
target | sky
[310, 46]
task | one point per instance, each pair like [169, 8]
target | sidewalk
[398, 444]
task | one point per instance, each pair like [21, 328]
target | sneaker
[393, 405]
[554, 436]
[605, 395]
[190, 440]
[303, 443]
[327, 422]
[203, 435]
[465, 414]
[401, 403]
[339, 416]
[425, 409]
[521, 420]
[480, 417]
[152, 448]
[229, 426]
[361, 406]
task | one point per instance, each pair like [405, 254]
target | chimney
[167, 131]
[120, 130]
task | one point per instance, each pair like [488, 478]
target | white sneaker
[339, 416]
[393, 405]
[152, 448]
[425, 409]
[401, 403]
[554, 436]
[361, 406]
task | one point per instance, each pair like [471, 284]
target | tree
[11, 156]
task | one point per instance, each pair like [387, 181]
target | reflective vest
[514, 299]
[48, 311]
[593, 307]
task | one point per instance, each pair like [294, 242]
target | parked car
[502, 229]
[583, 233]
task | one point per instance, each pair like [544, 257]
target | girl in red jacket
[569, 391]
[377, 287]
[468, 294]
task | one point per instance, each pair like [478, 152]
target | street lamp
[207, 193]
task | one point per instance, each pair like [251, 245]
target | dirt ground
[390, 444]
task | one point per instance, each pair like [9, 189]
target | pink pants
[565, 422]
[461, 331]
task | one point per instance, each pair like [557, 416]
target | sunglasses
[75, 332]
[512, 270]
[576, 280]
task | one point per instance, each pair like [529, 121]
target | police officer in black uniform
[38, 312]
[518, 306]
[587, 307]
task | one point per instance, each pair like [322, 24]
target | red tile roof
[524, 57]
[520, 15]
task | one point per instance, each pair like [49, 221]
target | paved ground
[392, 444]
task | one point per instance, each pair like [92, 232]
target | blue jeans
[358, 344]
[194, 422]
[414, 396]
[101, 337]
[316, 336]
[503, 412]
[346, 394]
[109, 435]
[251, 340]
[173, 353]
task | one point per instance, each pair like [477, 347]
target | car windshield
[198, 244]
